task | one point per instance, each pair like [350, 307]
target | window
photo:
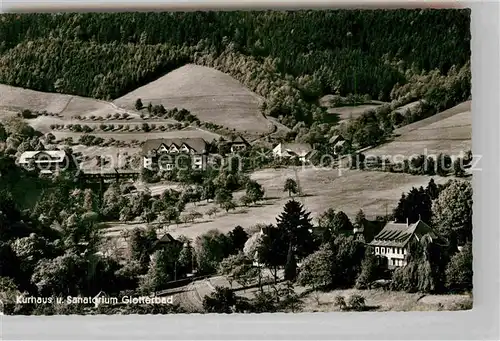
[376, 250]
[393, 261]
[382, 250]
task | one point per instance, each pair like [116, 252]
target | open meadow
[374, 192]
[448, 132]
[211, 95]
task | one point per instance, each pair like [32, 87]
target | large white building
[167, 154]
[393, 241]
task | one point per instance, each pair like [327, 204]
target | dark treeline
[105, 55]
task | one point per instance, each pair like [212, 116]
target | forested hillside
[290, 58]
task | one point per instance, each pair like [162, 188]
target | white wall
[391, 253]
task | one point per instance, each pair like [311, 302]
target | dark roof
[239, 139]
[167, 238]
[198, 144]
[336, 138]
[398, 235]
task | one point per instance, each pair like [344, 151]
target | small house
[337, 143]
[301, 151]
[47, 161]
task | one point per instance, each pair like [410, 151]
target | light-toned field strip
[448, 132]
[207, 93]
[374, 192]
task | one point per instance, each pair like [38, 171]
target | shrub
[459, 271]
[357, 303]
[138, 104]
[339, 302]
[26, 113]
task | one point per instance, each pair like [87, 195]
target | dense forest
[279, 54]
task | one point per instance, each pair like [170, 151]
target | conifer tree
[295, 222]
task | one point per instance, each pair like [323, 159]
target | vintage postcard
[235, 162]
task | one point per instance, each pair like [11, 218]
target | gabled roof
[239, 139]
[300, 149]
[198, 144]
[55, 155]
[336, 138]
[167, 238]
[398, 235]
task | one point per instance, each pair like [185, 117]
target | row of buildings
[163, 154]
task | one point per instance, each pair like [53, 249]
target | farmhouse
[238, 144]
[167, 154]
[166, 240]
[337, 143]
[393, 241]
[234, 145]
[47, 161]
[302, 151]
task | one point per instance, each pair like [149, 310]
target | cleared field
[142, 136]
[402, 109]
[379, 300]
[211, 95]
[351, 112]
[16, 99]
[448, 132]
[375, 300]
[19, 98]
[374, 192]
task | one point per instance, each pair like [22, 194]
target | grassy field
[16, 99]
[380, 300]
[347, 112]
[142, 136]
[351, 112]
[313, 301]
[448, 132]
[374, 192]
[209, 94]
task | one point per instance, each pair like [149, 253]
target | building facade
[46, 161]
[168, 154]
[393, 241]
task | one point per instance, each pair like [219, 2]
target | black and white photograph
[236, 162]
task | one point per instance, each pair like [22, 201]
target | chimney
[419, 217]
[407, 222]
